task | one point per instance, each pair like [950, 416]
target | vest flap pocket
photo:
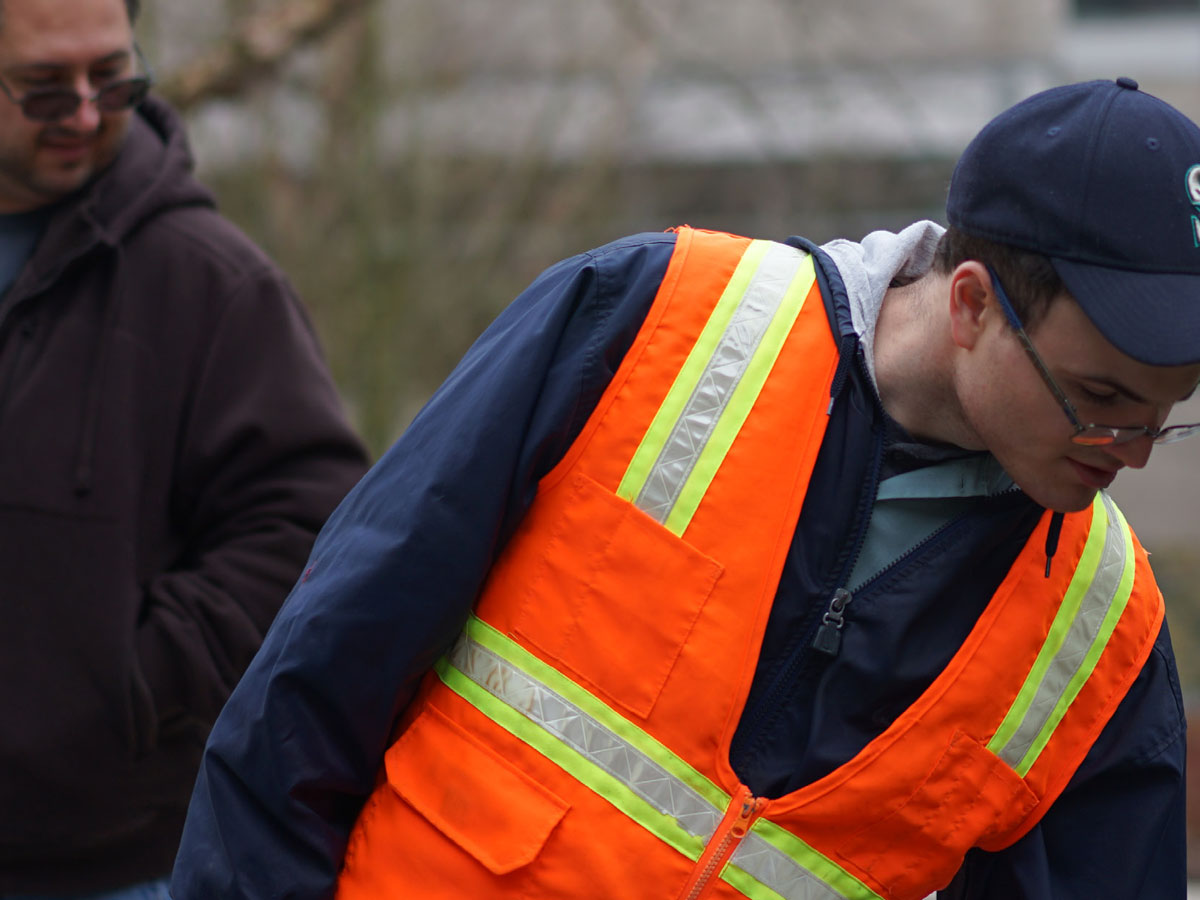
[471, 794]
[612, 585]
[968, 796]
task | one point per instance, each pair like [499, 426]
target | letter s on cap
[1193, 185]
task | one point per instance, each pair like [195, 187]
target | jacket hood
[152, 172]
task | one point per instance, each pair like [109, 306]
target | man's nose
[86, 117]
[1134, 454]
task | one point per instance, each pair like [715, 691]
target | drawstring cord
[94, 390]
[1052, 534]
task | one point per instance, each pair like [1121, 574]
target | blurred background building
[409, 137]
[414, 163]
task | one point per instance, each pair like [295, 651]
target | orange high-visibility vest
[575, 742]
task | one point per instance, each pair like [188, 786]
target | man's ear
[970, 297]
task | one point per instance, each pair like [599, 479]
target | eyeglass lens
[52, 105]
[1105, 435]
[1176, 433]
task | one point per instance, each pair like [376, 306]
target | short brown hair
[1029, 278]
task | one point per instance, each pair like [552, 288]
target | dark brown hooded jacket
[170, 443]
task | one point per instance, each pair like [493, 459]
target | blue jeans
[147, 890]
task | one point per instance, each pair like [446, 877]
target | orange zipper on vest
[741, 814]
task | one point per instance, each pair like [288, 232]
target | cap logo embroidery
[1193, 190]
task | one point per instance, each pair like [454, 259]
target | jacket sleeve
[392, 578]
[264, 457]
[1118, 830]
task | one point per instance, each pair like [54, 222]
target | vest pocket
[472, 795]
[611, 595]
[969, 796]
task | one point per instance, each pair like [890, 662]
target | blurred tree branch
[256, 46]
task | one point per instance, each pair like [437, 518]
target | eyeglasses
[1087, 435]
[55, 104]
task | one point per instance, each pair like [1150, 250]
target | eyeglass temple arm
[1067, 406]
[1030, 351]
[145, 63]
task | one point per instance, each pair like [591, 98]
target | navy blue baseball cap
[1103, 179]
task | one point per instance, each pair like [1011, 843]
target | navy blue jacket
[395, 572]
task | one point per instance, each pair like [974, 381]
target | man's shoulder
[198, 238]
[207, 268]
[633, 243]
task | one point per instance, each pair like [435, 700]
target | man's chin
[62, 184]
[1064, 495]
[61, 172]
[1065, 501]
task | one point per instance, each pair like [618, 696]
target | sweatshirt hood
[153, 172]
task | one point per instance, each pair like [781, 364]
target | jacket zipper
[780, 684]
[742, 812]
[20, 336]
[828, 639]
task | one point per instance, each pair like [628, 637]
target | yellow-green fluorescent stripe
[630, 769]
[1077, 640]
[498, 643]
[689, 376]
[726, 363]
[587, 771]
[742, 401]
[1115, 610]
[1080, 581]
[833, 879]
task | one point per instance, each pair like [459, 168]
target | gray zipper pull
[828, 639]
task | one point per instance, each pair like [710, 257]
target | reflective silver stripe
[780, 872]
[632, 767]
[586, 736]
[721, 376]
[1084, 629]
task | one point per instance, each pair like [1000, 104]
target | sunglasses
[55, 104]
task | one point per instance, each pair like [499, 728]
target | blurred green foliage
[403, 265]
[403, 268]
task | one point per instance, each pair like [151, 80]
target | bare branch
[256, 47]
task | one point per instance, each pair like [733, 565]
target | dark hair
[1029, 278]
[132, 8]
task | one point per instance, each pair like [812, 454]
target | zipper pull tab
[828, 639]
[729, 834]
[745, 818]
